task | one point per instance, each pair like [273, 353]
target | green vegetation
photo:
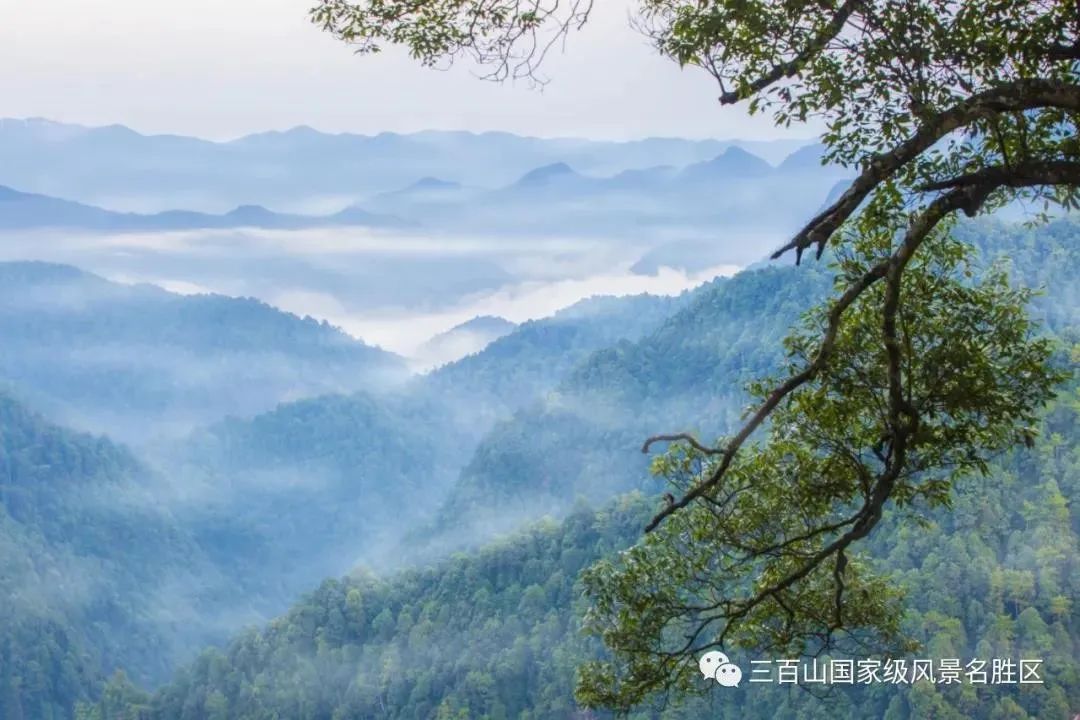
[84, 551]
[98, 576]
[769, 559]
[499, 632]
[939, 108]
[496, 634]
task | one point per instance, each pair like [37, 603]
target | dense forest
[497, 634]
[96, 573]
[102, 356]
[233, 521]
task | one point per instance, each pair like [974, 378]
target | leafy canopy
[907, 379]
[766, 559]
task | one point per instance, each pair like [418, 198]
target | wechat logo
[716, 666]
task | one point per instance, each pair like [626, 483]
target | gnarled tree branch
[1051, 172]
[968, 199]
[1015, 96]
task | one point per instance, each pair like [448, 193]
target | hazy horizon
[222, 71]
[787, 140]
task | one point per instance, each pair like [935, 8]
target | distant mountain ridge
[25, 211]
[464, 339]
[303, 168]
[100, 355]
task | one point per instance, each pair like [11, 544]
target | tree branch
[1025, 174]
[967, 199]
[791, 68]
[680, 437]
[1020, 95]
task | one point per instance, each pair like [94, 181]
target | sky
[220, 69]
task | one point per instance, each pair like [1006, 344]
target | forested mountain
[96, 572]
[315, 487]
[496, 634]
[104, 356]
[524, 365]
[583, 440]
[549, 420]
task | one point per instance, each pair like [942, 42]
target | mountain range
[103, 356]
[236, 519]
[712, 210]
[302, 169]
[26, 211]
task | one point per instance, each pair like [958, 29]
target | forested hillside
[584, 439]
[495, 634]
[526, 364]
[317, 486]
[547, 420]
[313, 488]
[690, 376]
[96, 572]
[104, 356]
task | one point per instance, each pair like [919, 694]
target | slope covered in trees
[690, 375]
[106, 356]
[317, 486]
[96, 572]
[526, 364]
[496, 634]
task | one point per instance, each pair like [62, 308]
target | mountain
[549, 175]
[805, 159]
[302, 168]
[526, 364]
[96, 572]
[733, 165]
[27, 211]
[723, 201]
[582, 439]
[719, 211]
[311, 488]
[100, 355]
[314, 487]
[496, 633]
[467, 338]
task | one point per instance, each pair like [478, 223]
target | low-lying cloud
[392, 289]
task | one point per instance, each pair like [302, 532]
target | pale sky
[224, 68]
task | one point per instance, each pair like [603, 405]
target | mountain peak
[805, 158]
[249, 212]
[486, 323]
[434, 183]
[733, 163]
[547, 173]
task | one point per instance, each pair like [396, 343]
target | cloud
[404, 332]
[392, 289]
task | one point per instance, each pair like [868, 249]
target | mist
[394, 290]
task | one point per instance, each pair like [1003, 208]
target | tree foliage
[909, 376]
[766, 559]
